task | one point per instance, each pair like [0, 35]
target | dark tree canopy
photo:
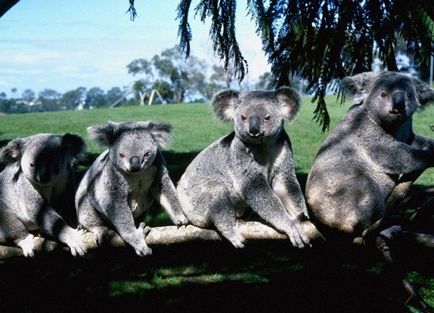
[318, 40]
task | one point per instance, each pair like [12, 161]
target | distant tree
[318, 41]
[3, 96]
[115, 94]
[49, 94]
[141, 89]
[140, 66]
[185, 77]
[266, 81]
[73, 98]
[14, 90]
[49, 101]
[165, 90]
[95, 98]
[28, 95]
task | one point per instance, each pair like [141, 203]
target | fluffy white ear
[358, 86]
[424, 93]
[224, 104]
[161, 134]
[289, 102]
[12, 152]
[104, 134]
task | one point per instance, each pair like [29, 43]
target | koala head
[390, 97]
[133, 146]
[43, 157]
[257, 115]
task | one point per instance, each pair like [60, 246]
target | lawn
[205, 277]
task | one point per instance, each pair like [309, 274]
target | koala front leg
[262, 199]
[165, 193]
[13, 230]
[50, 222]
[423, 143]
[89, 219]
[122, 219]
[399, 158]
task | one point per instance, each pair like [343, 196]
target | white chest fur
[139, 197]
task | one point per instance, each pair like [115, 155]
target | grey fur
[369, 152]
[244, 170]
[125, 179]
[33, 185]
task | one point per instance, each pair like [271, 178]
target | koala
[124, 181]
[33, 187]
[252, 167]
[369, 153]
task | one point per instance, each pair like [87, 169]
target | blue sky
[67, 44]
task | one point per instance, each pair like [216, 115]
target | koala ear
[224, 104]
[12, 151]
[424, 93]
[289, 102]
[104, 134]
[358, 86]
[74, 145]
[161, 134]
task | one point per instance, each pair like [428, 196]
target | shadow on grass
[201, 277]
[207, 277]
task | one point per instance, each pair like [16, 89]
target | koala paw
[145, 229]
[181, 220]
[237, 241]
[101, 234]
[28, 246]
[297, 236]
[137, 240]
[389, 233]
[143, 251]
[75, 242]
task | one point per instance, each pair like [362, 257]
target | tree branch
[167, 235]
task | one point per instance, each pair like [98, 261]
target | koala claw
[75, 242]
[143, 251]
[28, 246]
[389, 233]
[145, 229]
[297, 236]
[238, 241]
[181, 221]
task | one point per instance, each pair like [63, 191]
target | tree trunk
[167, 235]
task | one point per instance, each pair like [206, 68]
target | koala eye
[383, 94]
[121, 155]
[243, 117]
[146, 154]
[267, 117]
[409, 94]
[32, 164]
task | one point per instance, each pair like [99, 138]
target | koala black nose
[254, 126]
[134, 164]
[398, 101]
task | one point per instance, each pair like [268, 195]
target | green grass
[204, 277]
[195, 127]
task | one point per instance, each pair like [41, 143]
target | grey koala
[33, 188]
[369, 152]
[251, 167]
[124, 181]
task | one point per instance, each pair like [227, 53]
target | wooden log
[167, 235]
